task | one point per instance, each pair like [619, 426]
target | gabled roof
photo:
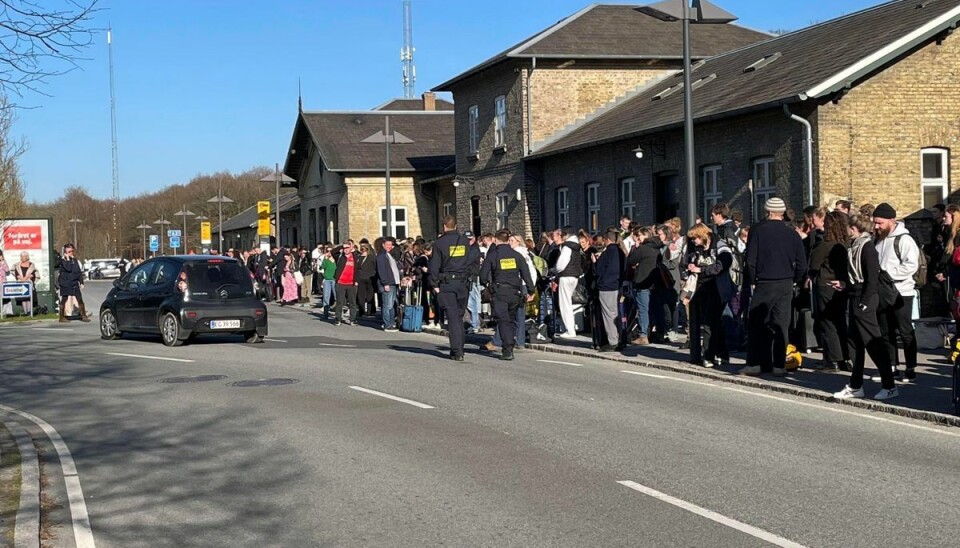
[413, 104]
[248, 217]
[611, 31]
[339, 134]
[811, 63]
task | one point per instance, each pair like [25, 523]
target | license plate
[225, 324]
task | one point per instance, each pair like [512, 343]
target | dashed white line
[713, 516]
[57, 329]
[148, 357]
[275, 340]
[337, 345]
[561, 363]
[392, 397]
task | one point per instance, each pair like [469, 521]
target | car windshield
[218, 280]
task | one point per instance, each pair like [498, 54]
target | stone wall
[366, 195]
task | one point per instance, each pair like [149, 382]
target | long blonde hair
[954, 211]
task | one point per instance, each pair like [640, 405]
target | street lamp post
[74, 222]
[163, 226]
[703, 12]
[183, 213]
[386, 138]
[278, 178]
[220, 199]
[144, 227]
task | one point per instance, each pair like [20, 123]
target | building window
[934, 176]
[563, 208]
[447, 209]
[399, 222]
[710, 188]
[593, 207]
[500, 121]
[333, 229]
[764, 187]
[628, 203]
[474, 126]
[503, 200]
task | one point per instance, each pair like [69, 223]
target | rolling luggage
[413, 314]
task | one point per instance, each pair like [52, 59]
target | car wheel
[253, 337]
[109, 329]
[170, 330]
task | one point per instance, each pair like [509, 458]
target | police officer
[504, 271]
[453, 263]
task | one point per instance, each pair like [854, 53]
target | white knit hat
[775, 205]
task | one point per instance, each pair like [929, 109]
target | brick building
[880, 89]
[512, 104]
[341, 179]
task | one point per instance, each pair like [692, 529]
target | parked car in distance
[102, 268]
[182, 296]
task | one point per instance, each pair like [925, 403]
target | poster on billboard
[33, 237]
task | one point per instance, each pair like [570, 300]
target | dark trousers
[897, 319]
[769, 322]
[347, 295]
[453, 301]
[706, 320]
[866, 338]
[667, 304]
[365, 293]
[832, 324]
[506, 302]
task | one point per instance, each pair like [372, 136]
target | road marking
[275, 340]
[51, 329]
[338, 345]
[394, 398]
[82, 533]
[148, 357]
[561, 363]
[713, 516]
[819, 406]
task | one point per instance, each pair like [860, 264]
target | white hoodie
[522, 250]
[902, 269]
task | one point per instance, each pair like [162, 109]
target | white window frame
[503, 203]
[593, 207]
[628, 200]
[563, 206]
[396, 224]
[500, 122]
[710, 188]
[474, 127]
[764, 185]
[942, 182]
[447, 209]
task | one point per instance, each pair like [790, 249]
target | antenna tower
[113, 137]
[406, 53]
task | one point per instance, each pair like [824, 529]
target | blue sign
[16, 290]
[175, 242]
[154, 242]
[174, 233]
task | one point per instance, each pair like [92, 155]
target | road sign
[263, 218]
[175, 242]
[205, 238]
[16, 290]
[174, 233]
[154, 242]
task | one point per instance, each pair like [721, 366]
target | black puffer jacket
[643, 259]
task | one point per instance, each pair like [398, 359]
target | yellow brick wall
[869, 143]
[365, 197]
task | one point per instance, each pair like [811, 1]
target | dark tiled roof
[338, 135]
[412, 104]
[604, 31]
[248, 217]
[812, 62]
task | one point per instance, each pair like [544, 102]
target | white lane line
[337, 345]
[713, 516]
[275, 340]
[82, 533]
[148, 357]
[390, 397]
[58, 329]
[820, 406]
[561, 363]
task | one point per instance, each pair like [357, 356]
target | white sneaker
[887, 394]
[848, 393]
[567, 335]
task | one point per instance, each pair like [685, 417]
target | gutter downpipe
[808, 129]
[529, 147]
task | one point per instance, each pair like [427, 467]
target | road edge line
[26, 531]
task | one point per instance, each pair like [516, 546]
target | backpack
[540, 264]
[920, 276]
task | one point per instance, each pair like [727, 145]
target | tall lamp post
[74, 222]
[163, 226]
[144, 227]
[220, 199]
[701, 12]
[184, 213]
[385, 137]
[278, 178]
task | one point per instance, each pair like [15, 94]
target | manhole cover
[263, 382]
[196, 378]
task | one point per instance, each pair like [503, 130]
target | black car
[182, 296]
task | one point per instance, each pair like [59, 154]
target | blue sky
[210, 85]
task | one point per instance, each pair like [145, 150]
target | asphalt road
[529, 453]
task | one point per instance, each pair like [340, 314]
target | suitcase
[412, 319]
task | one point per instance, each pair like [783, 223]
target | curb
[26, 533]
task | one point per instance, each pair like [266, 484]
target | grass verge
[9, 486]
[21, 319]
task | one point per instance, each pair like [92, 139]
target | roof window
[763, 62]
[667, 92]
[693, 68]
[703, 81]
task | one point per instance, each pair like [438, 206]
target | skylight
[763, 62]
[703, 81]
[667, 92]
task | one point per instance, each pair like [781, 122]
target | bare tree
[11, 149]
[37, 43]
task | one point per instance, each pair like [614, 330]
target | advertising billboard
[34, 237]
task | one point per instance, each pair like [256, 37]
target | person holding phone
[71, 283]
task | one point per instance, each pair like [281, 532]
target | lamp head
[639, 152]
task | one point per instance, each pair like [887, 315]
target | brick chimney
[429, 101]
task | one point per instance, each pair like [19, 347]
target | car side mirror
[117, 283]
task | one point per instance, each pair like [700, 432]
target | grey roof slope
[814, 62]
[248, 217]
[412, 104]
[338, 135]
[616, 31]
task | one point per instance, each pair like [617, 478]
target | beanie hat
[885, 211]
[775, 205]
